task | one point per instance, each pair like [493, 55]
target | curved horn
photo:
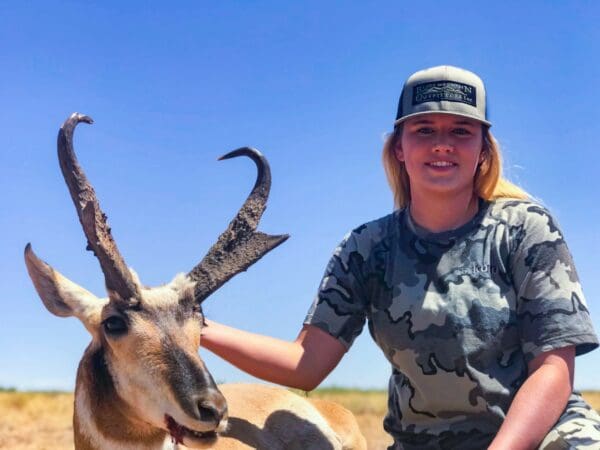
[239, 246]
[117, 277]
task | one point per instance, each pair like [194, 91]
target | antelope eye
[115, 325]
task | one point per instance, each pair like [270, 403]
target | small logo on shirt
[451, 91]
[476, 269]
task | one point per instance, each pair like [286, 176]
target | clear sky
[312, 84]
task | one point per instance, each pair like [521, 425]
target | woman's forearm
[301, 364]
[261, 356]
[538, 404]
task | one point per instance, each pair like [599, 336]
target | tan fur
[269, 417]
[343, 423]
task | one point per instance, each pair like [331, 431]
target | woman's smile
[441, 152]
[441, 166]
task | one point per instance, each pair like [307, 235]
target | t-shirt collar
[449, 235]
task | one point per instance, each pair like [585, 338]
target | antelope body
[141, 383]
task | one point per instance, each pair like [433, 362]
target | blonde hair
[488, 183]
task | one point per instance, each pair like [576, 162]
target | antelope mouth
[179, 433]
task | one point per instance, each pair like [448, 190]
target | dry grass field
[42, 421]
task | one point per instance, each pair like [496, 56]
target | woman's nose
[443, 147]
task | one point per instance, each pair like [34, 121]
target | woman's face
[441, 153]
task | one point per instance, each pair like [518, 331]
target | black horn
[116, 274]
[240, 245]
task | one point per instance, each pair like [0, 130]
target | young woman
[468, 288]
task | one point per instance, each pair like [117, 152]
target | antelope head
[143, 360]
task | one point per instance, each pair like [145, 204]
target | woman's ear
[482, 155]
[398, 151]
[485, 146]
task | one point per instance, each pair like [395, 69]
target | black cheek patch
[188, 377]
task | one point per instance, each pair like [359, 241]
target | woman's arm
[300, 364]
[539, 402]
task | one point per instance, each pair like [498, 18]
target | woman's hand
[539, 402]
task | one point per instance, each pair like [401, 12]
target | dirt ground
[42, 421]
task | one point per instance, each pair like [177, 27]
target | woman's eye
[425, 130]
[462, 131]
[115, 325]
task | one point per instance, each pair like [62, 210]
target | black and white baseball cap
[443, 90]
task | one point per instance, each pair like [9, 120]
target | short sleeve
[339, 306]
[551, 308]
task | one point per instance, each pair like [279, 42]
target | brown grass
[593, 398]
[36, 420]
[42, 420]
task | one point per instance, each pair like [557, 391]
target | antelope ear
[60, 295]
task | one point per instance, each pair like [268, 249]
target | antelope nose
[212, 406]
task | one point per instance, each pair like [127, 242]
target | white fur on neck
[88, 428]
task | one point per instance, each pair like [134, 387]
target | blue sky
[312, 84]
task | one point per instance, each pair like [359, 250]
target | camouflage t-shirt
[458, 314]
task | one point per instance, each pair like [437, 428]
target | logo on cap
[451, 91]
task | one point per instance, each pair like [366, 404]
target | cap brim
[450, 113]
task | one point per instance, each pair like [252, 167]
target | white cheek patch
[143, 390]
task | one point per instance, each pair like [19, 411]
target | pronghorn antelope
[140, 383]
